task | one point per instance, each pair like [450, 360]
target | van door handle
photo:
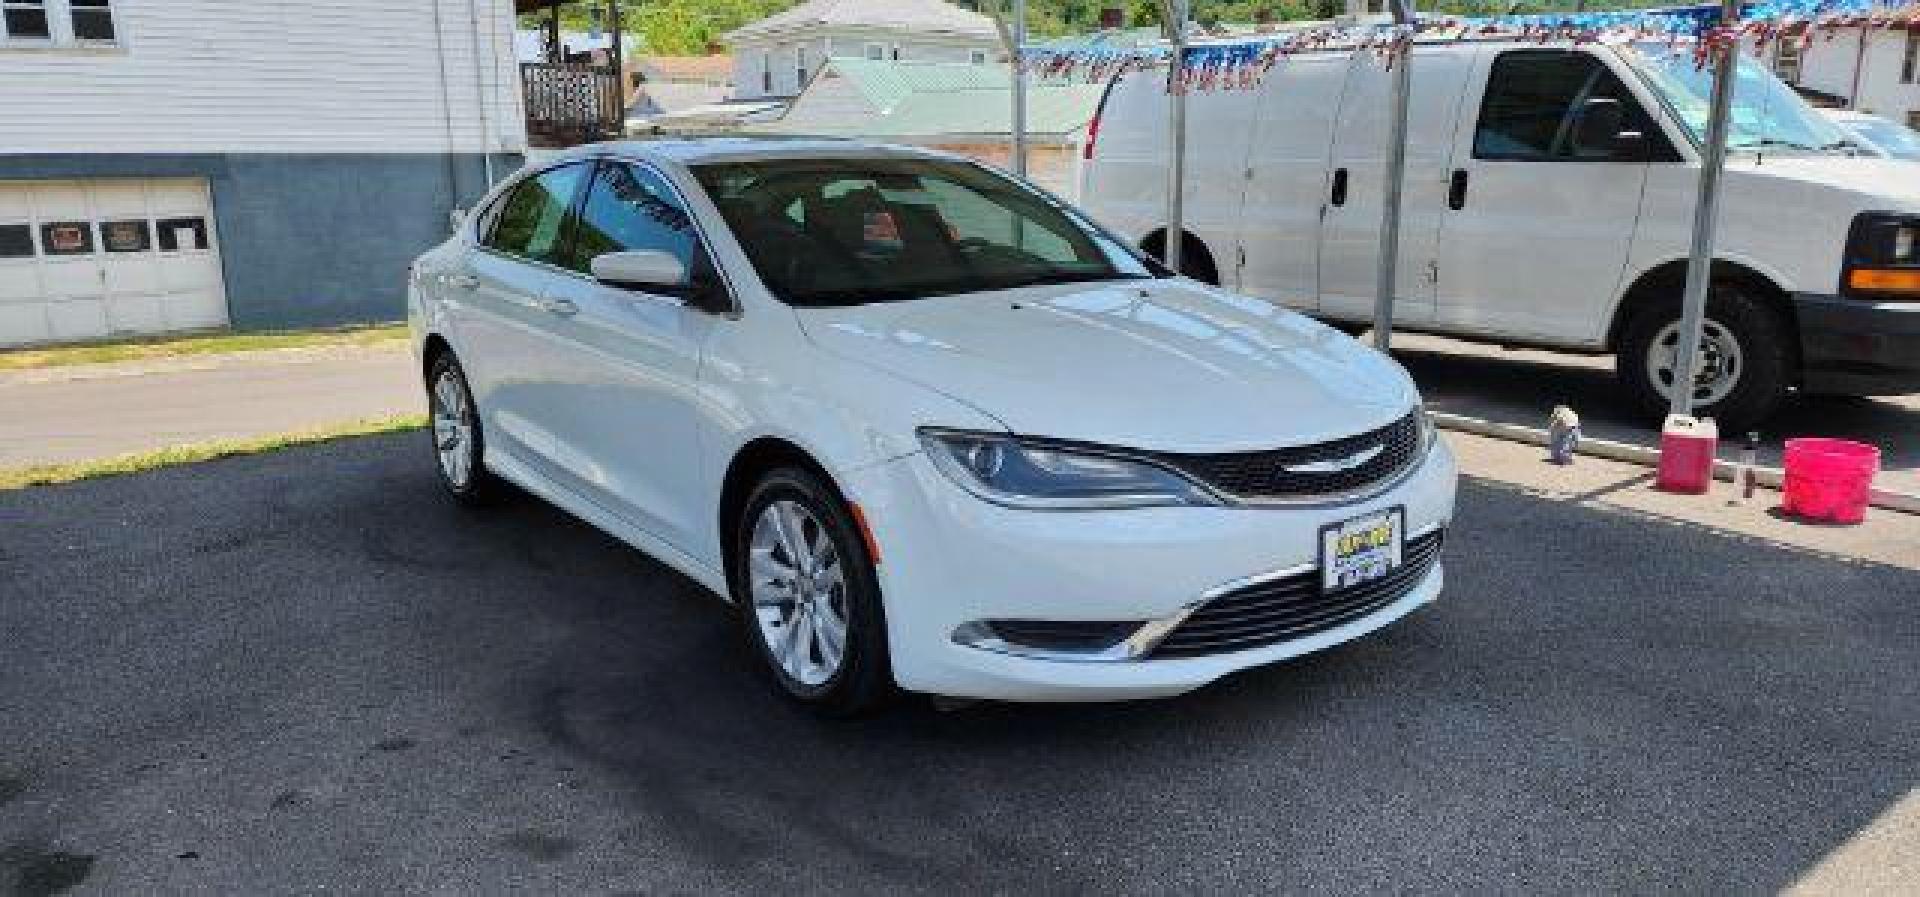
[563, 307]
[1457, 190]
[1339, 197]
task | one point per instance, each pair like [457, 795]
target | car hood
[1892, 183]
[1160, 365]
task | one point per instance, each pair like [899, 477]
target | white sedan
[926, 427]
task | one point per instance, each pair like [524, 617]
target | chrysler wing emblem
[1336, 465]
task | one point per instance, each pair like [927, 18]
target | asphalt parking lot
[307, 671]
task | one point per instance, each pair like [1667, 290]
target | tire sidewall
[865, 675]
[1767, 357]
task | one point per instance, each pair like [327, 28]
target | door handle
[554, 306]
[1457, 190]
[1339, 197]
[463, 281]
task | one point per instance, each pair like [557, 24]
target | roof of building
[707, 69]
[923, 16]
[658, 98]
[920, 100]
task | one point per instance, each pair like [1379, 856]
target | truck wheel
[1745, 361]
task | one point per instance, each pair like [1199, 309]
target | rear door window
[532, 222]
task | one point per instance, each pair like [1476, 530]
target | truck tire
[1746, 364]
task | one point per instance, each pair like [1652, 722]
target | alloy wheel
[799, 591]
[453, 427]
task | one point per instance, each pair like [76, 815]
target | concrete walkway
[86, 412]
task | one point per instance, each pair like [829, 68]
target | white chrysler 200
[927, 427]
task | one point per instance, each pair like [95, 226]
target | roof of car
[697, 150]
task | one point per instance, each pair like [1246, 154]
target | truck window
[1532, 102]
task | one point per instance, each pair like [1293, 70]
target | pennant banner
[1240, 63]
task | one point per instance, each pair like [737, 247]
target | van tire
[1748, 334]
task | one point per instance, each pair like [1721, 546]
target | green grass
[174, 346]
[48, 474]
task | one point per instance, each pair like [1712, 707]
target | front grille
[1294, 607]
[1267, 474]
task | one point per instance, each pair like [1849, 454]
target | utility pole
[1019, 42]
[1395, 182]
[1174, 14]
[1706, 216]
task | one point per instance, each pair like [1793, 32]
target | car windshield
[1767, 115]
[1897, 140]
[850, 231]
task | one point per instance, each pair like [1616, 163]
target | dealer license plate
[1361, 550]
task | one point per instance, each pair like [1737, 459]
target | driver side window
[629, 208]
[1533, 103]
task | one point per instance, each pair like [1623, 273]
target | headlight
[1037, 475]
[1883, 257]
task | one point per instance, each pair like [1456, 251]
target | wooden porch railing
[570, 103]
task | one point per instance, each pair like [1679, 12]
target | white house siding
[272, 76]
[332, 139]
[840, 43]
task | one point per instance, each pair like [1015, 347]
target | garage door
[90, 259]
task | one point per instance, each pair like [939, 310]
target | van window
[1531, 106]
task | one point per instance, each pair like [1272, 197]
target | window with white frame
[977, 57]
[766, 73]
[92, 20]
[800, 66]
[25, 20]
[876, 52]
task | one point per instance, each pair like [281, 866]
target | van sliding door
[1287, 178]
[1350, 232]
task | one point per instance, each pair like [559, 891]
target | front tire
[1745, 363]
[808, 595]
[459, 445]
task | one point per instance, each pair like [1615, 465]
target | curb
[1726, 471]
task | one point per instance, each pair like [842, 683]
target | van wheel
[808, 595]
[1745, 359]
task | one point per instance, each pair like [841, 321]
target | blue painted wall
[306, 240]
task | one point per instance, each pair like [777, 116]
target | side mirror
[1601, 124]
[646, 270]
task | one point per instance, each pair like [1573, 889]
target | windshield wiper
[1056, 277]
[1771, 141]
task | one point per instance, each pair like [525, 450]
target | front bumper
[1858, 347]
[950, 560]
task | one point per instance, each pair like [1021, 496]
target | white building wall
[1829, 63]
[821, 44]
[271, 76]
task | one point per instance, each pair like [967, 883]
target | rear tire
[459, 445]
[808, 595]
[1746, 363]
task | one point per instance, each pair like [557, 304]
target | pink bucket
[1828, 479]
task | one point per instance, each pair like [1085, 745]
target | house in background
[274, 163]
[961, 107]
[775, 57]
[1873, 70]
[668, 86]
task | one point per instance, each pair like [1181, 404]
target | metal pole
[1395, 184]
[1706, 217]
[1174, 12]
[1859, 67]
[1019, 89]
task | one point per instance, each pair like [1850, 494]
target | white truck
[1549, 203]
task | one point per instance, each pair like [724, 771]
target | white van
[1549, 202]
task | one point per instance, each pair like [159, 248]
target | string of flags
[1240, 63]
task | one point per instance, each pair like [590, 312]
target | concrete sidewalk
[87, 412]
[1521, 386]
